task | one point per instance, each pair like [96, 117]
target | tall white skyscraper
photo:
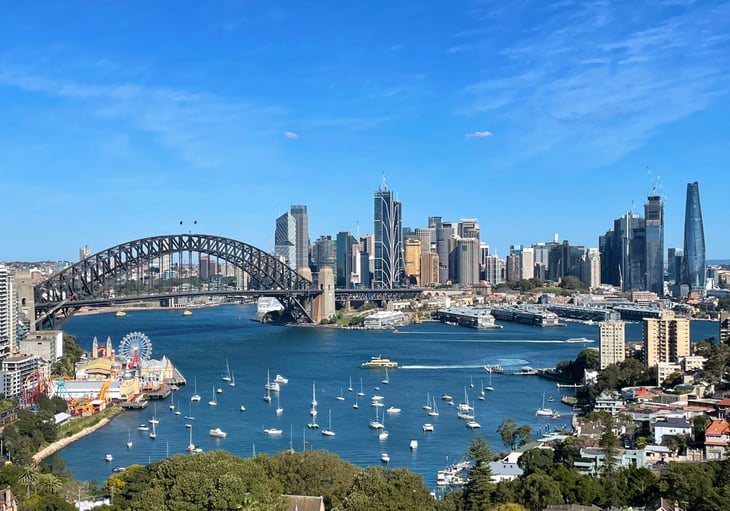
[299, 212]
[8, 320]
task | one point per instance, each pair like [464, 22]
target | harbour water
[434, 359]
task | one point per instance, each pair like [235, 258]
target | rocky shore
[63, 442]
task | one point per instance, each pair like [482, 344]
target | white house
[671, 426]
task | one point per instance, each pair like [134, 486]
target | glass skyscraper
[693, 261]
[389, 265]
[654, 252]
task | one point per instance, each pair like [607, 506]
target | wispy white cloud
[478, 134]
[291, 135]
[204, 129]
[596, 80]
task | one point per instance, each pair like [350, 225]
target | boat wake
[443, 367]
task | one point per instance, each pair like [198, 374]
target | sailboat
[349, 388]
[386, 380]
[213, 402]
[473, 424]
[329, 431]
[362, 392]
[267, 396]
[232, 383]
[191, 445]
[291, 438]
[172, 401]
[340, 397]
[313, 410]
[427, 406]
[153, 434]
[189, 416]
[464, 409]
[481, 392]
[376, 424]
[195, 397]
[279, 409]
[544, 412]
[433, 410]
[227, 376]
[356, 406]
[471, 382]
[154, 420]
[129, 439]
[489, 387]
[383, 435]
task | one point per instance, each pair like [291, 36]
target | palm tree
[29, 477]
[50, 483]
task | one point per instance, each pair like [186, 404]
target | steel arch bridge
[90, 280]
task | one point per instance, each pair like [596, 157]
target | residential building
[670, 426]
[612, 340]
[299, 212]
[285, 239]
[725, 327]
[666, 338]
[389, 266]
[693, 260]
[654, 251]
[8, 319]
[717, 439]
[45, 344]
[15, 370]
[665, 369]
[494, 270]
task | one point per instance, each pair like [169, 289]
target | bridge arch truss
[95, 276]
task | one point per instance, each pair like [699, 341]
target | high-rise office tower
[427, 235]
[468, 228]
[693, 262]
[84, 252]
[299, 212]
[285, 239]
[389, 267]
[654, 221]
[674, 265]
[429, 269]
[623, 253]
[592, 268]
[444, 233]
[413, 260]
[494, 270]
[345, 259]
[527, 263]
[666, 339]
[467, 261]
[324, 253]
[612, 340]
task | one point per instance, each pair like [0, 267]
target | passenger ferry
[579, 340]
[379, 363]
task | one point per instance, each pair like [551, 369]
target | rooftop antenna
[384, 186]
[358, 228]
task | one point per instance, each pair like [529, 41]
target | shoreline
[56, 446]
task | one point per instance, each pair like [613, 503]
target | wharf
[161, 393]
[177, 379]
[134, 405]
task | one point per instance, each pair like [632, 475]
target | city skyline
[532, 118]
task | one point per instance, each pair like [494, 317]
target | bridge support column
[26, 298]
[323, 306]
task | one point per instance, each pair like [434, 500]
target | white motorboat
[393, 409]
[273, 431]
[385, 458]
[428, 427]
[217, 432]
[413, 445]
[243, 408]
[281, 380]
[109, 457]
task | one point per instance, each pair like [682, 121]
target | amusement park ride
[133, 349]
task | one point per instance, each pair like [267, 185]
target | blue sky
[120, 119]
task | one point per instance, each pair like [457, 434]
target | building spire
[384, 185]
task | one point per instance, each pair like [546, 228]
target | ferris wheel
[135, 345]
